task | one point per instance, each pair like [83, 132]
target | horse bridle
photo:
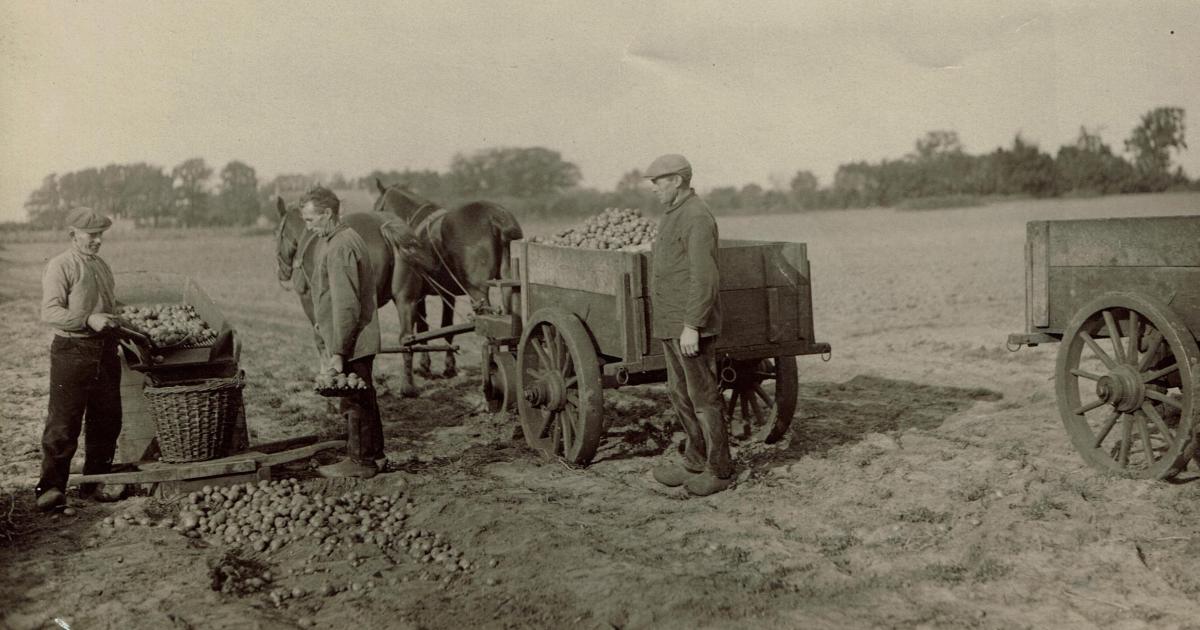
[302, 245]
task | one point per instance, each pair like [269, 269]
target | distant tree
[805, 189]
[238, 195]
[147, 194]
[191, 191]
[45, 207]
[937, 143]
[1160, 131]
[1090, 167]
[517, 172]
[752, 198]
[1024, 169]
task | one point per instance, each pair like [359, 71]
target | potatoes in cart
[168, 324]
[614, 228]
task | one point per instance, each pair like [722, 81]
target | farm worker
[343, 302]
[687, 319]
[85, 374]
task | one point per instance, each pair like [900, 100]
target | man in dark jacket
[687, 319]
[344, 313]
[85, 373]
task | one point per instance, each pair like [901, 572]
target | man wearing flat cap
[85, 373]
[687, 319]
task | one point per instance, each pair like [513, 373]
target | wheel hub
[1122, 388]
[549, 392]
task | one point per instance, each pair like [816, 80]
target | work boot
[347, 468]
[672, 475]
[707, 483]
[51, 499]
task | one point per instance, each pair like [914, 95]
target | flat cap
[669, 164]
[88, 220]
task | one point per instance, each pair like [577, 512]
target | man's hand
[689, 342]
[100, 322]
[336, 363]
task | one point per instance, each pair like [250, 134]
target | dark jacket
[685, 281]
[343, 297]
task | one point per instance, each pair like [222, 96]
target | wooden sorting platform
[252, 465]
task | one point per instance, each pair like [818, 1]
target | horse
[468, 245]
[399, 263]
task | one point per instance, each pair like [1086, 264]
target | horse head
[400, 201]
[289, 235]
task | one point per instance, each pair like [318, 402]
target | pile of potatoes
[614, 228]
[331, 379]
[268, 515]
[167, 324]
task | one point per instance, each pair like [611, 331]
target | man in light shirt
[85, 373]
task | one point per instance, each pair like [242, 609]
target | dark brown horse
[398, 259]
[468, 246]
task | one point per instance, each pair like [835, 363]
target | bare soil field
[927, 481]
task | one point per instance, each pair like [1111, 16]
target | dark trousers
[85, 395]
[695, 391]
[364, 442]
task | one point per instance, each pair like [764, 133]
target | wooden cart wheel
[561, 403]
[1126, 384]
[760, 398]
[500, 381]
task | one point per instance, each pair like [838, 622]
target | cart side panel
[591, 270]
[1138, 242]
[1072, 287]
[599, 313]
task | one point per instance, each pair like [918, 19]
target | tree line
[536, 181]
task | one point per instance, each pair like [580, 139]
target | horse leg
[405, 310]
[451, 369]
[424, 368]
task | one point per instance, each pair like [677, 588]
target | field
[927, 481]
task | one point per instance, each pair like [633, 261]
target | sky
[749, 92]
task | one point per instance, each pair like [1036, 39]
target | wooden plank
[743, 318]
[1037, 309]
[597, 311]
[519, 251]
[1071, 287]
[785, 264]
[1136, 242]
[591, 270]
[171, 472]
[804, 311]
[629, 329]
[782, 316]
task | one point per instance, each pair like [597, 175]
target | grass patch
[952, 573]
[972, 491]
[1043, 506]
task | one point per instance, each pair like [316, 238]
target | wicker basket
[195, 419]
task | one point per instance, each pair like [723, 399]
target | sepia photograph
[600, 315]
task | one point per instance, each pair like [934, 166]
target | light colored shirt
[75, 286]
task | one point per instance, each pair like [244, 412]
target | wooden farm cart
[1123, 298]
[581, 323]
[138, 455]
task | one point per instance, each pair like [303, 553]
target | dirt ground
[927, 481]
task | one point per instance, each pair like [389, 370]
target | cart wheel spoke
[1144, 432]
[1107, 428]
[567, 366]
[758, 411]
[1157, 374]
[1100, 353]
[543, 359]
[1151, 350]
[571, 381]
[547, 423]
[566, 419]
[1131, 353]
[1114, 335]
[1161, 425]
[1126, 436]
[1079, 411]
[1164, 398]
[761, 393]
[1082, 374]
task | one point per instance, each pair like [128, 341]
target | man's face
[316, 219]
[86, 242]
[666, 187]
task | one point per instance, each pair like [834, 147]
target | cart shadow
[828, 415]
